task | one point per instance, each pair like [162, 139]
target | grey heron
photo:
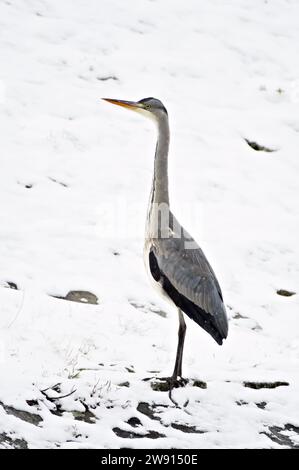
[175, 263]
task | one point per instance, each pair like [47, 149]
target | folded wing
[186, 276]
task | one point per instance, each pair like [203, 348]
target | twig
[53, 399]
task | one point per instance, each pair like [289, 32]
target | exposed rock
[81, 296]
[258, 385]
[87, 416]
[150, 307]
[32, 402]
[241, 402]
[262, 405]
[133, 435]
[31, 418]
[84, 297]
[11, 285]
[199, 383]
[258, 147]
[108, 77]
[148, 410]
[285, 293]
[134, 422]
[186, 428]
[257, 327]
[238, 316]
[12, 443]
[276, 434]
[124, 384]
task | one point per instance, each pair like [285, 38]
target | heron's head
[149, 107]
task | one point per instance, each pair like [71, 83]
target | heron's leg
[177, 372]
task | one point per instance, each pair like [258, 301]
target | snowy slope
[74, 183]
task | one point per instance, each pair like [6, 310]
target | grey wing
[185, 274]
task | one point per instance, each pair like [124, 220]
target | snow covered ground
[74, 184]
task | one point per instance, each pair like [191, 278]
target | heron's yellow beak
[133, 105]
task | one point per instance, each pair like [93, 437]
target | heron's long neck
[159, 193]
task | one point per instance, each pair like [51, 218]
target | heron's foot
[165, 384]
[177, 382]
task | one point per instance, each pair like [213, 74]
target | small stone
[258, 147]
[200, 384]
[32, 402]
[134, 422]
[241, 402]
[146, 308]
[107, 77]
[148, 410]
[81, 296]
[10, 442]
[238, 316]
[124, 384]
[86, 416]
[133, 435]
[285, 293]
[187, 429]
[12, 285]
[259, 385]
[262, 405]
